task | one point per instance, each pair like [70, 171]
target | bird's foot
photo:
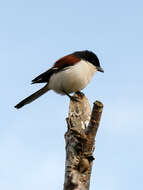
[78, 95]
[81, 94]
[74, 98]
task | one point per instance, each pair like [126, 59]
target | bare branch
[80, 138]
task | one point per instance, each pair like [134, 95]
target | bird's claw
[74, 98]
[81, 94]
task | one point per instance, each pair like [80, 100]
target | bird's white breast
[72, 79]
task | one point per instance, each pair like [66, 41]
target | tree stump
[80, 139]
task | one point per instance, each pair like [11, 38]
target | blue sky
[33, 35]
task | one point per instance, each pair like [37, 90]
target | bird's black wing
[44, 77]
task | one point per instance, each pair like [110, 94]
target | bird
[69, 74]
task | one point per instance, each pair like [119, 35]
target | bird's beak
[100, 69]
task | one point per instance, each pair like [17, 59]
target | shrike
[69, 74]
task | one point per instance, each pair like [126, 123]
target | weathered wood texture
[80, 137]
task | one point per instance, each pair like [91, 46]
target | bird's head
[90, 57]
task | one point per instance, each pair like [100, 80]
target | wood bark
[80, 138]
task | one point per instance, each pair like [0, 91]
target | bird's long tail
[32, 97]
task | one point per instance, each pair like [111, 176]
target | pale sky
[33, 35]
